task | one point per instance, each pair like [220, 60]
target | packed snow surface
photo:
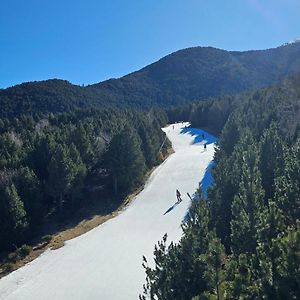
[106, 262]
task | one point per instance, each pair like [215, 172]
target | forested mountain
[199, 73]
[280, 102]
[43, 97]
[243, 242]
[59, 142]
[179, 78]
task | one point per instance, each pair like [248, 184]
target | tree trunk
[60, 204]
[217, 277]
[116, 185]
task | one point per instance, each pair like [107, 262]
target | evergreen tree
[270, 227]
[287, 191]
[227, 176]
[13, 219]
[179, 271]
[29, 189]
[271, 160]
[148, 146]
[10, 152]
[62, 172]
[82, 141]
[39, 158]
[213, 260]
[247, 204]
[230, 134]
[79, 171]
[287, 262]
[240, 282]
[49, 156]
[125, 160]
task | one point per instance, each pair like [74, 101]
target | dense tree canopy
[60, 142]
[177, 79]
[49, 164]
[249, 243]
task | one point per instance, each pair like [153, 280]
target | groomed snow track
[106, 262]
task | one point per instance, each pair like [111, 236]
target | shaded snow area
[106, 262]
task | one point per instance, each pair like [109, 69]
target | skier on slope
[205, 145]
[178, 195]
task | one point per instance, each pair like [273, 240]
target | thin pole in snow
[162, 144]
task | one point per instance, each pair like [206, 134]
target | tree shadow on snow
[200, 136]
[205, 183]
[207, 179]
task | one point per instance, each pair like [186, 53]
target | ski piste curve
[106, 262]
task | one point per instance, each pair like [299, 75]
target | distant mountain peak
[187, 75]
[297, 40]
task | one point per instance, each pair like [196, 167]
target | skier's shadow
[171, 208]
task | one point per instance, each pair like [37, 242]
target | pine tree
[179, 271]
[62, 172]
[13, 218]
[246, 205]
[239, 275]
[287, 186]
[230, 134]
[79, 171]
[271, 226]
[81, 139]
[271, 160]
[148, 147]
[39, 158]
[10, 152]
[15, 208]
[29, 189]
[287, 262]
[125, 160]
[213, 260]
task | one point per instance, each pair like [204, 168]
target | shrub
[8, 267]
[13, 257]
[47, 238]
[24, 250]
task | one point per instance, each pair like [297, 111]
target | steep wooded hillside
[179, 78]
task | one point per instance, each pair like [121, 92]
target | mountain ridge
[195, 73]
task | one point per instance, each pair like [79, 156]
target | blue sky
[87, 41]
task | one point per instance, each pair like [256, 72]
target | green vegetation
[177, 79]
[47, 238]
[24, 250]
[244, 241]
[52, 165]
[279, 103]
[61, 144]
[8, 267]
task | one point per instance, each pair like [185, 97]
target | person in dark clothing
[205, 145]
[178, 195]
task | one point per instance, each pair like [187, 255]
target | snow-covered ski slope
[106, 263]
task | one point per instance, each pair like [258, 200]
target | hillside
[280, 102]
[181, 77]
[199, 73]
[106, 262]
[42, 96]
[242, 241]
